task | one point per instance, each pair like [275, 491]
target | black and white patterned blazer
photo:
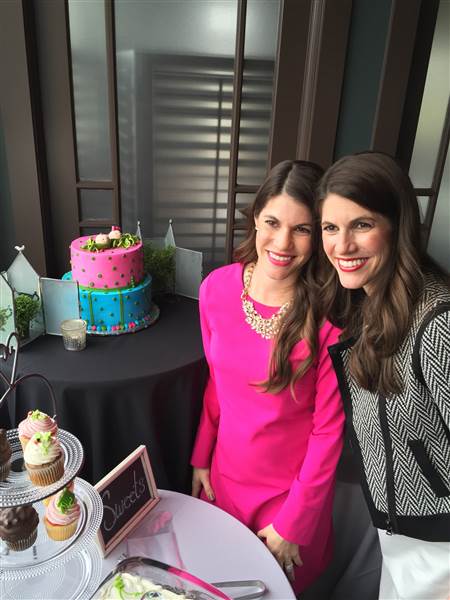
[402, 442]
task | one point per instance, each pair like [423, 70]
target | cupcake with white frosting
[44, 458]
[34, 422]
[127, 586]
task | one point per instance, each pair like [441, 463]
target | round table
[194, 536]
[123, 391]
[206, 541]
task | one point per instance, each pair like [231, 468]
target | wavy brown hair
[380, 321]
[298, 179]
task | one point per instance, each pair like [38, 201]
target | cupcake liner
[59, 533]
[47, 474]
[4, 470]
[23, 544]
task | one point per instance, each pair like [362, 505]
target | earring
[256, 229]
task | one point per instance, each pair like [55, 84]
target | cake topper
[114, 239]
[115, 233]
[102, 241]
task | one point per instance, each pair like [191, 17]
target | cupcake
[70, 486]
[61, 515]
[44, 458]
[35, 421]
[5, 455]
[18, 527]
[128, 586]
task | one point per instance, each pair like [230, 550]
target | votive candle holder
[74, 334]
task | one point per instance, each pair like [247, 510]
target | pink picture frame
[128, 494]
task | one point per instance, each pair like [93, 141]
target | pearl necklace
[266, 328]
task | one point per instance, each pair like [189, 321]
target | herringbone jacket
[402, 442]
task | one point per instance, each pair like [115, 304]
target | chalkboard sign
[128, 493]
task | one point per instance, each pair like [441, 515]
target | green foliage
[26, 308]
[160, 264]
[126, 240]
[5, 313]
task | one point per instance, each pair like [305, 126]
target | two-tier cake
[114, 291]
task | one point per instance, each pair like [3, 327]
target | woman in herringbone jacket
[393, 366]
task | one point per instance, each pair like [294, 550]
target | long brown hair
[298, 179]
[380, 321]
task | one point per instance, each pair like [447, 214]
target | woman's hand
[286, 553]
[200, 479]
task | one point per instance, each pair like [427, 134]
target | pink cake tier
[113, 268]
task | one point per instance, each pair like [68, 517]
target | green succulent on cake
[101, 242]
[126, 240]
[104, 241]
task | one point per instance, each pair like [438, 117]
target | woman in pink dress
[270, 434]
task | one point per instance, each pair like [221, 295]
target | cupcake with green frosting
[44, 459]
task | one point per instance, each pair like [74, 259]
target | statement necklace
[266, 328]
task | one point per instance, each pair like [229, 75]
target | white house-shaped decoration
[188, 263]
[58, 299]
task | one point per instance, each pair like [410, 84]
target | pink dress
[272, 459]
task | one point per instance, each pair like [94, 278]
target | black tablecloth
[122, 391]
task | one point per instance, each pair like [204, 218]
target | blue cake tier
[112, 312]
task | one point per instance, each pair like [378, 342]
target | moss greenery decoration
[160, 264]
[5, 313]
[26, 308]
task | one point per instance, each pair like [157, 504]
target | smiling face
[283, 237]
[356, 240]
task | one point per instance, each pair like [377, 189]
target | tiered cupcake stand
[49, 569]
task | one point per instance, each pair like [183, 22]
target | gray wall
[20, 185]
[7, 252]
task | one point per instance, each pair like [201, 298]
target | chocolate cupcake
[5, 455]
[18, 527]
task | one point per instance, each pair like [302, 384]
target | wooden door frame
[24, 156]
[308, 78]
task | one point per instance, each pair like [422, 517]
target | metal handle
[250, 583]
[6, 351]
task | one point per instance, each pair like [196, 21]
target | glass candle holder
[74, 334]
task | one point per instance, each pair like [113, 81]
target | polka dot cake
[102, 269]
[114, 291]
